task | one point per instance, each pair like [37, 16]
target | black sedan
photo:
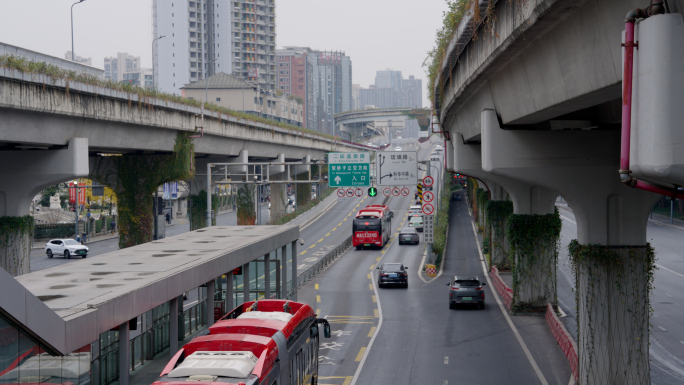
[409, 235]
[392, 274]
[466, 290]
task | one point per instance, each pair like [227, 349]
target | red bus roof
[299, 312]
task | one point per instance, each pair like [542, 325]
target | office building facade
[295, 77]
[204, 37]
[391, 90]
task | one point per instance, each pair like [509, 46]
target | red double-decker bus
[259, 343]
[372, 226]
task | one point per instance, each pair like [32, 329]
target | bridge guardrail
[323, 262]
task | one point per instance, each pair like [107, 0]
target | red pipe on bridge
[655, 8]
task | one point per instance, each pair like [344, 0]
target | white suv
[65, 247]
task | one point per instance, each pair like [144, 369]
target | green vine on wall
[135, 177]
[534, 241]
[16, 238]
[246, 209]
[482, 199]
[198, 204]
[614, 280]
[497, 213]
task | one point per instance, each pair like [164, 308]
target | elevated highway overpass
[547, 101]
[53, 130]
[360, 122]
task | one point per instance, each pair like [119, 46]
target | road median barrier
[564, 339]
[504, 291]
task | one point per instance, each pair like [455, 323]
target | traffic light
[372, 191]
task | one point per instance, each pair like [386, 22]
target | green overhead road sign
[349, 169]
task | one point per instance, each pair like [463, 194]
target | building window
[217, 99]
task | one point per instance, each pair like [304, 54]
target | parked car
[65, 247]
[392, 274]
[417, 223]
[408, 235]
[466, 290]
[398, 148]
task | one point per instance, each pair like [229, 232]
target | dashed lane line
[372, 331]
[373, 298]
[316, 286]
[370, 285]
[361, 351]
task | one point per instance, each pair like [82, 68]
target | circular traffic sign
[405, 191]
[428, 181]
[387, 191]
[428, 196]
[358, 192]
[396, 192]
[340, 193]
[428, 209]
[350, 193]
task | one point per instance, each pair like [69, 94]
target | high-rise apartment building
[332, 84]
[79, 59]
[116, 67]
[295, 77]
[323, 79]
[204, 37]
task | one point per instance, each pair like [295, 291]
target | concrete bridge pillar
[613, 263]
[24, 174]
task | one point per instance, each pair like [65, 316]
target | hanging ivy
[497, 213]
[135, 177]
[482, 199]
[16, 239]
[198, 216]
[534, 241]
[246, 209]
[613, 287]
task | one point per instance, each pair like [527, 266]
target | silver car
[65, 247]
[417, 223]
[408, 235]
[466, 290]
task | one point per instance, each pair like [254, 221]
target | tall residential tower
[204, 37]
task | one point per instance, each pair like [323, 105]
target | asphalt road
[667, 336]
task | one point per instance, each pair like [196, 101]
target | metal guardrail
[324, 262]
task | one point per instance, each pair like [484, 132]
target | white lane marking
[671, 271]
[446, 360]
[446, 382]
[568, 219]
[572, 380]
[668, 294]
[560, 310]
[682, 342]
[318, 216]
[478, 242]
[662, 328]
[533, 362]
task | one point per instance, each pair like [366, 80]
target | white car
[398, 148]
[65, 247]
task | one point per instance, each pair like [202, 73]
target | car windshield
[408, 230]
[391, 267]
[467, 283]
[71, 242]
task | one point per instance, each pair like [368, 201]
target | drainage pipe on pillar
[655, 8]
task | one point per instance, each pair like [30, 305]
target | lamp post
[154, 84]
[72, 28]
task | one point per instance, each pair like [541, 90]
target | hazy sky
[376, 34]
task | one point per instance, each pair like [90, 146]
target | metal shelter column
[267, 276]
[211, 290]
[173, 326]
[229, 292]
[279, 289]
[294, 270]
[245, 282]
[124, 354]
[283, 260]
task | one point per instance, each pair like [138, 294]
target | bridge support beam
[612, 260]
[23, 175]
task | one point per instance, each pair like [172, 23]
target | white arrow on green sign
[349, 169]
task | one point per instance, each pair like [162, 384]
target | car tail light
[478, 288]
[454, 288]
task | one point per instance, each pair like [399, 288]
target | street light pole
[72, 29]
[154, 75]
[206, 82]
